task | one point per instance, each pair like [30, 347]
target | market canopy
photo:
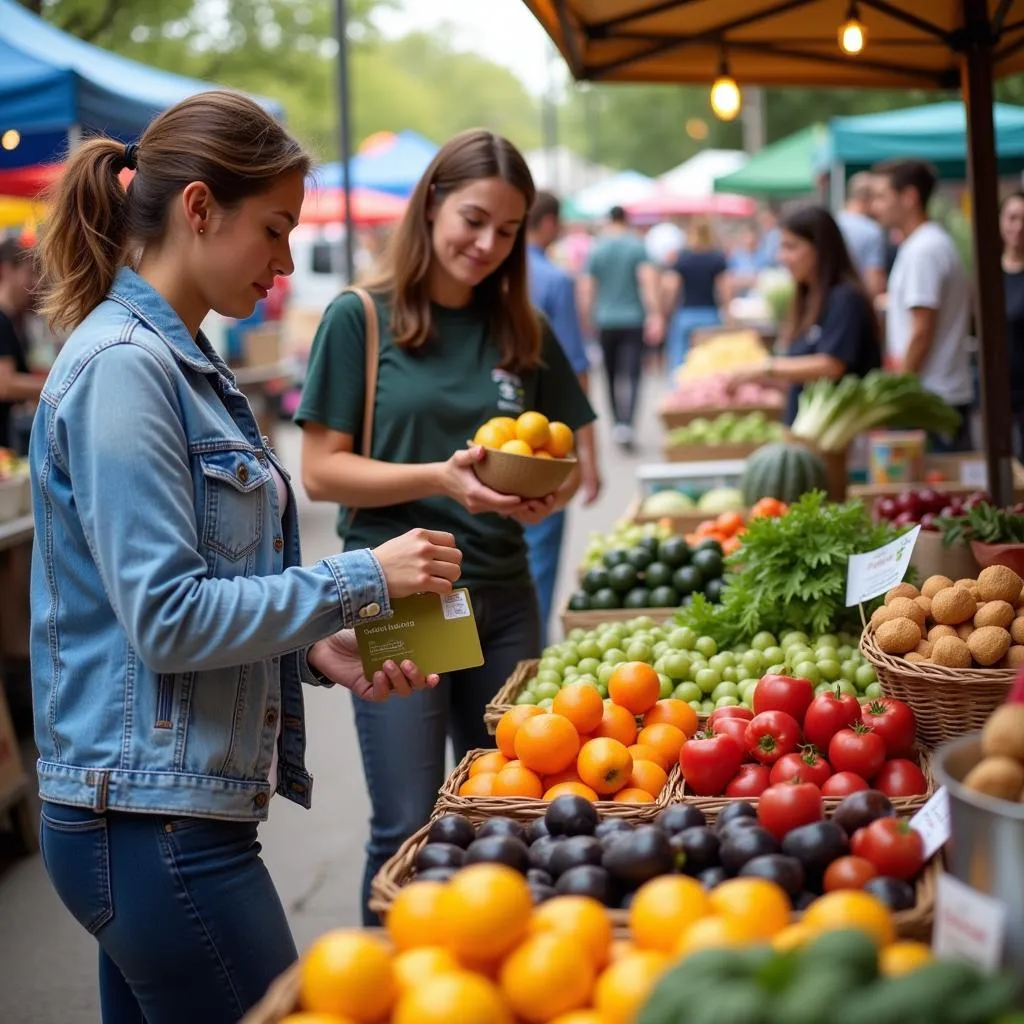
[620, 189]
[327, 206]
[392, 165]
[53, 84]
[782, 170]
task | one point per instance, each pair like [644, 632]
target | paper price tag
[932, 822]
[968, 925]
[880, 570]
[974, 473]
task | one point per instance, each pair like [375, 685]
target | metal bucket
[986, 850]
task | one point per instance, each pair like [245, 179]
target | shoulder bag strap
[372, 340]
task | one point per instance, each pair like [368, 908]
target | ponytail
[85, 236]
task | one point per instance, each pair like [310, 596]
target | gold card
[438, 633]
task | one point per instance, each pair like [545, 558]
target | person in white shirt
[929, 300]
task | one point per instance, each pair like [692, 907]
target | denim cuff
[308, 674]
[362, 590]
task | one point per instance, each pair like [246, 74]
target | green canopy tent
[782, 170]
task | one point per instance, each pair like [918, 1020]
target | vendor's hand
[461, 483]
[420, 560]
[337, 658]
[534, 510]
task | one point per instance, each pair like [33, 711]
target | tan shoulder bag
[372, 340]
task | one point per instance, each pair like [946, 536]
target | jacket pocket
[76, 853]
[234, 502]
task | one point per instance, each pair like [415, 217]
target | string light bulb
[853, 34]
[10, 139]
[726, 98]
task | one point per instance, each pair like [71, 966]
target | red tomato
[788, 806]
[709, 762]
[750, 781]
[843, 784]
[857, 750]
[772, 734]
[806, 766]
[896, 850]
[734, 727]
[849, 873]
[783, 693]
[828, 713]
[740, 712]
[900, 777]
[894, 721]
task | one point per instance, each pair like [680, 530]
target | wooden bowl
[525, 476]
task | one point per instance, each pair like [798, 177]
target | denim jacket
[170, 612]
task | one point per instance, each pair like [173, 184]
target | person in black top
[17, 283]
[691, 287]
[1011, 227]
[831, 329]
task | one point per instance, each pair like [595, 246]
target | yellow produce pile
[722, 353]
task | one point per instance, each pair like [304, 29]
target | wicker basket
[505, 698]
[526, 808]
[948, 702]
[282, 998]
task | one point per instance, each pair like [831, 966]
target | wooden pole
[345, 132]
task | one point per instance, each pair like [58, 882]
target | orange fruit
[517, 781]
[664, 908]
[604, 765]
[543, 453]
[348, 973]
[546, 976]
[547, 743]
[485, 911]
[667, 740]
[533, 428]
[582, 1017]
[479, 785]
[415, 966]
[506, 424]
[713, 932]
[572, 789]
[459, 997]
[413, 918]
[516, 448]
[582, 918]
[492, 761]
[315, 1018]
[491, 436]
[759, 906]
[508, 726]
[643, 752]
[582, 705]
[634, 685]
[567, 775]
[648, 776]
[560, 440]
[626, 983]
[673, 712]
[622, 948]
[616, 723]
[631, 795]
[729, 523]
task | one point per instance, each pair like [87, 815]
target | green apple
[604, 673]
[614, 656]
[544, 691]
[707, 646]
[640, 650]
[762, 641]
[527, 697]
[873, 691]
[684, 639]
[545, 704]
[677, 666]
[589, 666]
[667, 686]
[753, 662]
[807, 670]
[727, 702]
[690, 692]
[830, 670]
[773, 655]
[725, 689]
[707, 679]
[865, 677]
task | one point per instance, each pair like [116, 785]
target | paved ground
[47, 963]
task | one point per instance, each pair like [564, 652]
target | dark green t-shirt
[429, 403]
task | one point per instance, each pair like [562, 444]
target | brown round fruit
[925, 604]
[994, 613]
[934, 584]
[924, 648]
[936, 632]
[907, 590]
[988, 645]
[999, 583]
[1017, 630]
[953, 605]
[879, 615]
[898, 636]
[952, 652]
[907, 608]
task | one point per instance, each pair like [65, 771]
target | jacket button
[242, 473]
[279, 544]
[260, 800]
[271, 717]
[370, 610]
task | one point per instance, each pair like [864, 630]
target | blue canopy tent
[55, 87]
[392, 167]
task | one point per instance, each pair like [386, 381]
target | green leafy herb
[790, 572]
[984, 523]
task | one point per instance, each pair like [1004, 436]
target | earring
[201, 230]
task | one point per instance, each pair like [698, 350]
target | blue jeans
[545, 544]
[403, 742]
[189, 924]
[684, 322]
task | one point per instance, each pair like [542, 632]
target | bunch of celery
[832, 413]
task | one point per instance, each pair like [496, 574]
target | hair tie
[131, 154]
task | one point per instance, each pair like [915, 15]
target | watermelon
[782, 471]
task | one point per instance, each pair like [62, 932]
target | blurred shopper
[18, 279]
[742, 263]
[864, 236]
[1011, 227]
[766, 255]
[694, 290]
[619, 297]
[928, 309]
[553, 292]
[831, 329]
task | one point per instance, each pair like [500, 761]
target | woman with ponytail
[172, 621]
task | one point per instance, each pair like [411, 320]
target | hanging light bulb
[10, 139]
[853, 34]
[726, 98]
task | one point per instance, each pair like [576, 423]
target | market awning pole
[344, 113]
[993, 354]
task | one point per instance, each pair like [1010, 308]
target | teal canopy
[783, 170]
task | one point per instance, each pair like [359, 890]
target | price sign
[933, 822]
[880, 570]
[969, 925]
[974, 473]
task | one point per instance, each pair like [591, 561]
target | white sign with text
[880, 570]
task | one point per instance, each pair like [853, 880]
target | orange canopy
[910, 43]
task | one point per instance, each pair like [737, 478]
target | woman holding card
[459, 344]
[172, 621]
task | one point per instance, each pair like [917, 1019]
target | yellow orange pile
[622, 748]
[531, 434]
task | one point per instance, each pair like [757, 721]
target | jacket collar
[146, 303]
